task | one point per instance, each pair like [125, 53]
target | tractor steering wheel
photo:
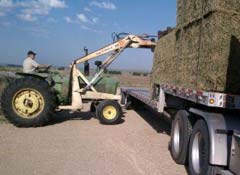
[43, 69]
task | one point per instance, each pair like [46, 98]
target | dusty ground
[137, 146]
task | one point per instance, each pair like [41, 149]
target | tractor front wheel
[109, 112]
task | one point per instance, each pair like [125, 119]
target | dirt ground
[82, 146]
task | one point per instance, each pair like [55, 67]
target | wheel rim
[109, 112]
[197, 152]
[28, 103]
[176, 138]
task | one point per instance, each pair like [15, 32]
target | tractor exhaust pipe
[86, 64]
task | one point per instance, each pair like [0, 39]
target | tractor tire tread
[28, 82]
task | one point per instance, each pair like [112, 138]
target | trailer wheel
[180, 135]
[28, 102]
[109, 112]
[199, 150]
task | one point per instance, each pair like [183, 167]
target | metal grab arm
[77, 93]
[130, 41]
[109, 48]
[108, 61]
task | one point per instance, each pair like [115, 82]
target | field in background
[126, 78]
[129, 80]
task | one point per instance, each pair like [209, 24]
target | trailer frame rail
[210, 99]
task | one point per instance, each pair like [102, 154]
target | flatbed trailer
[205, 132]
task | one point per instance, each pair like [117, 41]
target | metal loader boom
[89, 92]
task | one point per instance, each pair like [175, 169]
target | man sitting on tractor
[30, 65]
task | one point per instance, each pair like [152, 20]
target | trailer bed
[210, 99]
[141, 94]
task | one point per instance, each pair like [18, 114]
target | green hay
[207, 54]
[190, 10]
[165, 55]
[219, 60]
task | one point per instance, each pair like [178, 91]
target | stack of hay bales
[206, 45]
[165, 55]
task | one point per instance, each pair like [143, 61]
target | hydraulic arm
[115, 49]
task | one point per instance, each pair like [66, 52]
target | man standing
[30, 65]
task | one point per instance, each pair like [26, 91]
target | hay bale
[187, 53]
[219, 59]
[165, 56]
[207, 54]
[225, 5]
[190, 10]
[180, 12]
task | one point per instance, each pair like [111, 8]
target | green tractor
[32, 99]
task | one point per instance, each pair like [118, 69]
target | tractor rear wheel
[109, 112]
[28, 102]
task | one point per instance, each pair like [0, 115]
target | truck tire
[180, 136]
[109, 112]
[28, 102]
[199, 150]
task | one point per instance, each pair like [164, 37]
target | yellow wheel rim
[109, 112]
[28, 103]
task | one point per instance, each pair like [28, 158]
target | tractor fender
[44, 77]
[31, 75]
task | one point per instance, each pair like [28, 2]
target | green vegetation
[10, 69]
[140, 74]
[3, 119]
[114, 72]
[136, 74]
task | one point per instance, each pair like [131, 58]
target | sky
[58, 30]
